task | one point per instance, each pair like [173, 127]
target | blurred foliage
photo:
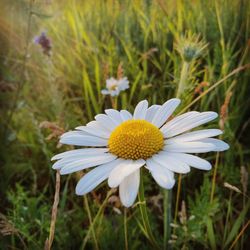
[42, 95]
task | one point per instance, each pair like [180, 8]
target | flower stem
[214, 176]
[144, 215]
[114, 101]
[49, 241]
[177, 198]
[100, 210]
[125, 229]
[86, 203]
[167, 217]
[183, 79]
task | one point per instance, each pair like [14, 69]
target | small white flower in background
[120, 143]
[114, 86]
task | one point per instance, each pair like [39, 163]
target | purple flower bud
[44, 42]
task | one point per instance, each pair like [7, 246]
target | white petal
[189, 147]
[125, 115]
[64, 161]
[72, 158]
[123, 83]
[82, 151]
[124, 169]
[162, 176]
[195, 135]
[87, 162]
[106, 122]
[83, 140]
[93, 178]
[189, 122]
[129, 187]
[74, 133]
[114, 115]
[95, 128]
[172, 123]
[219, 145]
[165, 111]
[151, 112]
[193, 161]
[105, 92]
[141, 110]
[171, 163]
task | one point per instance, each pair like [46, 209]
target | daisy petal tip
[79, 191]
[185, 171]
[55, 167]
[63, 171]
[111, 183]
[208, 167]
[126, 204]
[177, 100]
[171, 185]
[224, 146]
[53, 158]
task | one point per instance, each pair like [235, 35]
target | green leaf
[237, 224]
[210, 233]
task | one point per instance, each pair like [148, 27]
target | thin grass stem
[49, 241]
[85, 240]
[214, 176]
[144, 215]
[86, 204]
[183, 79]
[167, 218]
[177, 198]
[125, 229]
[22, 78]
[215, 85]
[239, 235]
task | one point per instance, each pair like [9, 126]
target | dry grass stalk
[7, 87]
[183, 213]
[120, 71]
[6, 227]
[224, 110]
[231, 187]
[148, 54]
[244, 178]
[200, 88]
[105, 71]
[55, 130]
[49, 241]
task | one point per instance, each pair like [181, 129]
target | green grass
[89, 41]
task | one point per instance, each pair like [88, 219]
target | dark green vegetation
[89, 42]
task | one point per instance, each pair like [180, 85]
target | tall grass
[90, 39]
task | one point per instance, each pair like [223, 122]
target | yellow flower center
[135, 139]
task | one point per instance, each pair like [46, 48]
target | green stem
[144, 215]
[125, 229]
[22, 78]
[167, 217]
[100, 210]
[183, 79]
[90, 221]
[214, 177]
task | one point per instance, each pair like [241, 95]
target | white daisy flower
[120, 143]
[114, 86]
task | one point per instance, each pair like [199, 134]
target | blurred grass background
[42, 96]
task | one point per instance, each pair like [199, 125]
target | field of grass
[42, 95]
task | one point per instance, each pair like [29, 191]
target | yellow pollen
[135, 139]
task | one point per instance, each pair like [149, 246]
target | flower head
[190, 47]
[120, 143]
[44, 42]
[114, 86]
